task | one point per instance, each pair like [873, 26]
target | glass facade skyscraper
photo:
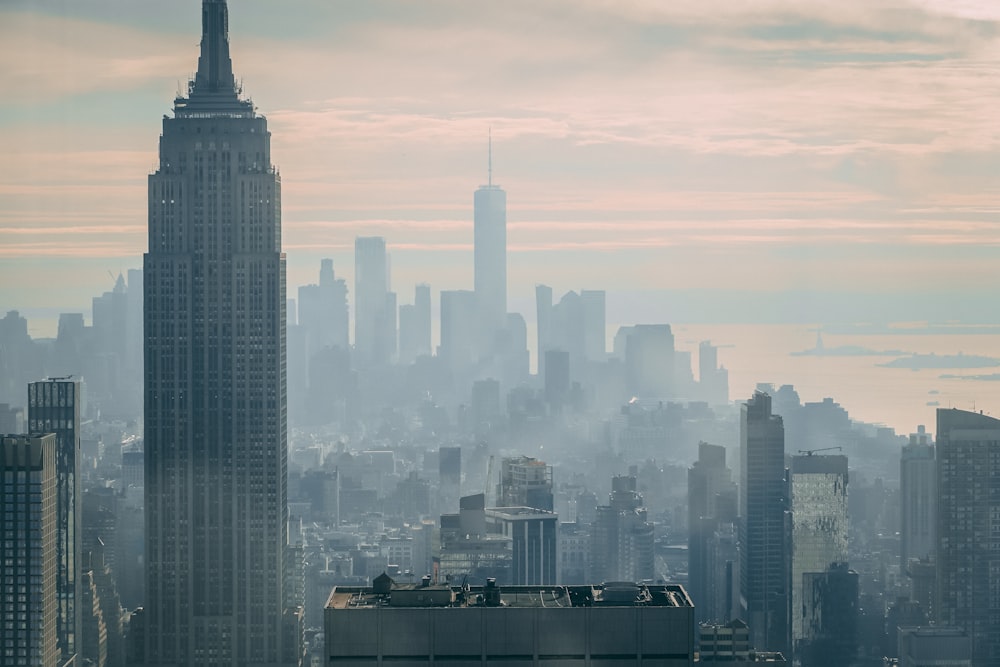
[29, 601]
[764, 526]
[54, 407]
[819, 525]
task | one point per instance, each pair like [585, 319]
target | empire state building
[217, 588]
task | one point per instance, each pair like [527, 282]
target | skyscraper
[621, 536]
[415, 326]
[29, 603]
[711, 501]
[917, 499]
[374, 304]
[968, 529]
[215, 388]
[764, 560]
[819, 528]
[490, 222]
[323, 312]
[54, 407]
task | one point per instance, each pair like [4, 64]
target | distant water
[753, 353]
[896, 397]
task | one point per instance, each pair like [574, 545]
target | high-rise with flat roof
[215, 387]
[917, 499]
[29, 602]
[819, 529]
[374, 304]
[54, 407]
[968, 529]
[711, 502]
[764, 526]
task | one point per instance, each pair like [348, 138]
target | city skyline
[648, 144]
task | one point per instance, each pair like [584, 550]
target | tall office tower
[532, 534]
[622, 537]
[543, 314]
[968, 529]
[29, 601]
[557, 378]
[485, 406]
[490, 221]
[458, 330]
[819, 527]
[422, 308]
[711, 501]
[105, 378]
[449, 477]
[323, 313]
[649, 361]
[133, 326]
[595, 336]
[917, 500]
[54, 407]
[713, 381]
[525, 482]
[374, 324]
[764, 530]
[415, 325]
[215, 398]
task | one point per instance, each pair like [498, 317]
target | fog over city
[681, 306]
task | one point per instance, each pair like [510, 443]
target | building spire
[490, 167]
[215, 69]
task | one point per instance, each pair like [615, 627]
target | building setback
[611, 624]
[215, 387]
[28, 588]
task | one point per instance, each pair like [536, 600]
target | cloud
[629, 130]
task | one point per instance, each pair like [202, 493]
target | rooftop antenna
[491, 157]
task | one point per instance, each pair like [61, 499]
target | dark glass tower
[215, 390]
[765, 527]
[54, 407]
[968, 529]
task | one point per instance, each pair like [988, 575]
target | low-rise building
[464, 626]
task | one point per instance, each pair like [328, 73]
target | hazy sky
[660, 144]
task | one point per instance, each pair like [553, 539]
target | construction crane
[810, 452]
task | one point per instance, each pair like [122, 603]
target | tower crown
[215, 68]
[213, 91]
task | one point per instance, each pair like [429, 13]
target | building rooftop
[611, 594]
[520, 512]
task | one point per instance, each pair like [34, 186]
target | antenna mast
[490, 166]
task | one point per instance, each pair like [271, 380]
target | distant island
[922, 361]
[847, 351]
[992, 377]
[821, 350]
